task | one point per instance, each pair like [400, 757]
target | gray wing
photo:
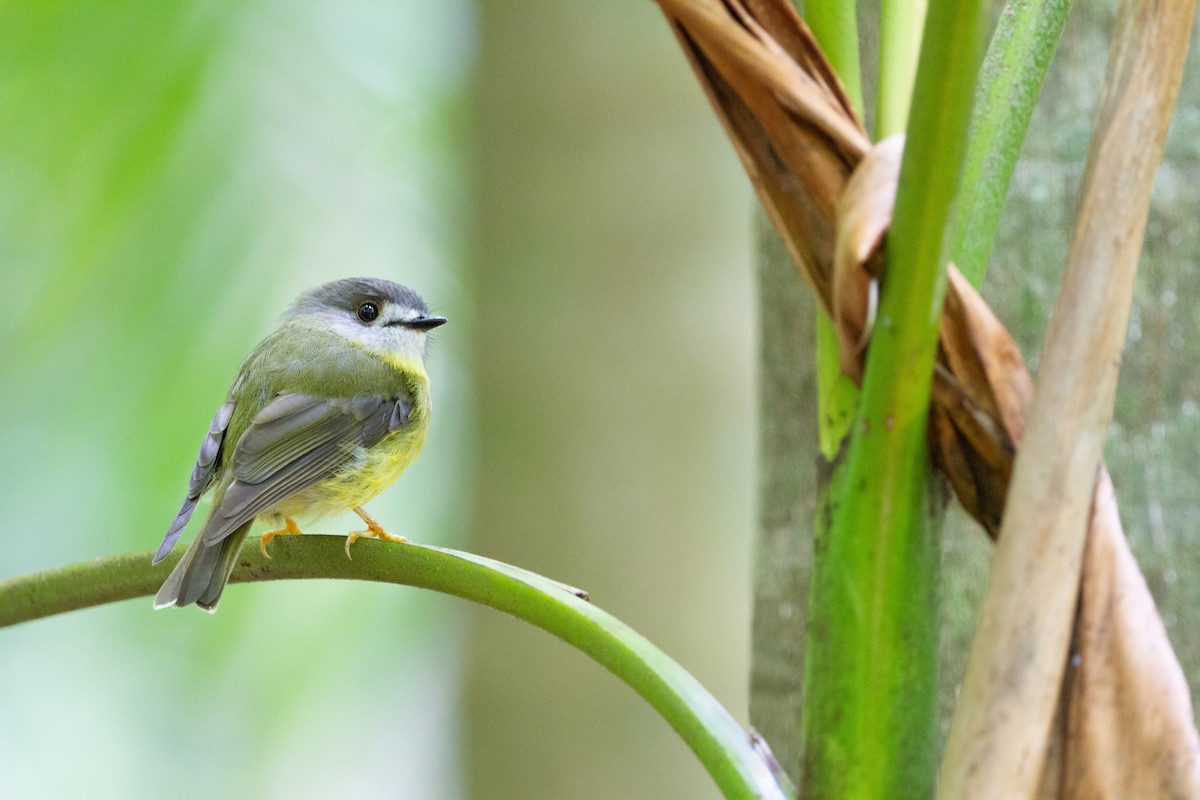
[202, 478]
[296, 441]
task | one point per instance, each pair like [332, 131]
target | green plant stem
[900, 23]
[837, 395]
[1010, 82]
[871, 671]
[719, 742]
[834, 23]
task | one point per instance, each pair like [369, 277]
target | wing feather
[202, 478]
[295, 442]
[273, 440]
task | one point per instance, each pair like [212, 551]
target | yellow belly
[367, 474]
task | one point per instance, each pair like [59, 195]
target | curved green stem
[737, 767]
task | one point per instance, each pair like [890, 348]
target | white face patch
[396, 341]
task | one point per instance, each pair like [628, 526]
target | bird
[323, 414]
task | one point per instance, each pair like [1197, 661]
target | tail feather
[201, 574]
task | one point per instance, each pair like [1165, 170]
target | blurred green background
[549, 176]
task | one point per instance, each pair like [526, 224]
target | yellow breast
[383, 464]
[368, 471]
[367, 474]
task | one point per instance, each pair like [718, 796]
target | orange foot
[374, 530]
[290, 528]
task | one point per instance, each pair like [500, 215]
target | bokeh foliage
[614, 368]
[172, 175]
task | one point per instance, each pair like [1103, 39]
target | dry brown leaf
[864, 214]
[1128, 725]
[983, 388]
[785, 113]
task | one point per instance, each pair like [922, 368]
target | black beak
[424, 323]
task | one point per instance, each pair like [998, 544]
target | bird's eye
[367, 312]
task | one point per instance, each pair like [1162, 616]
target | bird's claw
[374, 530]
[290, 528]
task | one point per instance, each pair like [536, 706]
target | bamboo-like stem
[719, 742]
[998, 738]
[871, 670]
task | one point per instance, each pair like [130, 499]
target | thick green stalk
[1010, 82]
[720, 743]
[871, 671]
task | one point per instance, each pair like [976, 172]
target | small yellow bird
[324, 413]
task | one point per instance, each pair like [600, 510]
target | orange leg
[290, 528]
[374, 530]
